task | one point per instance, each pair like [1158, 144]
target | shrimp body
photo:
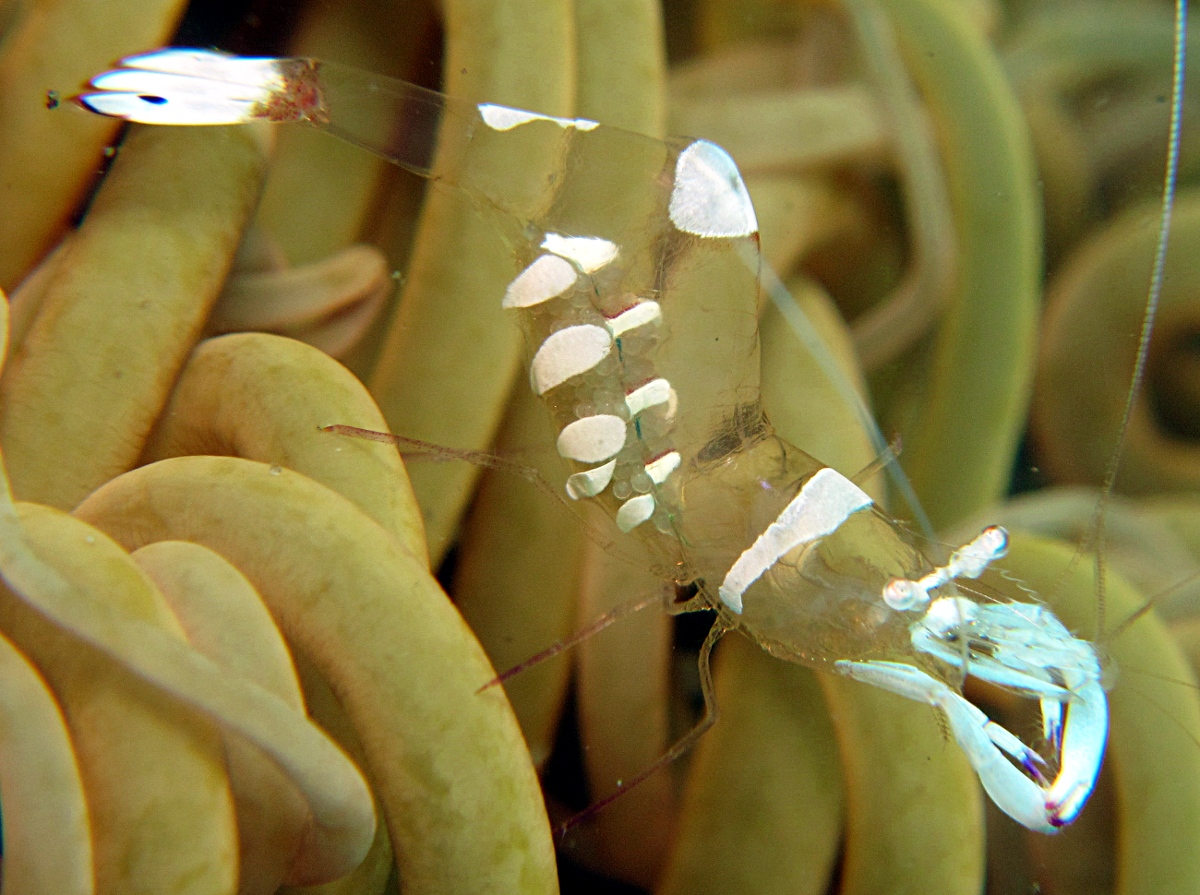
[637, 291]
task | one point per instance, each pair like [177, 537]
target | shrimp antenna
[924, 294]
[489, 460]
[1095, 535]
[799, 323]
[595, 627]
[679, 747]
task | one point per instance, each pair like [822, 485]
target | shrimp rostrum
[638, 294]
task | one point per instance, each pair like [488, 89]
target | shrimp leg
[679, 747]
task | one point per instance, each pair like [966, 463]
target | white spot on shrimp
[546, 278]
[660, 469]
[591, 482]
[656, 391]
[710, 197]
[592, 439]
[639, 315]
[590, 252]
[504, 118]
[635, 511]
[566, 353]
[186, 87]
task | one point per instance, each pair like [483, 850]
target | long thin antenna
[437, 452]
[604, 621]
[802, 327]
[1170, 177]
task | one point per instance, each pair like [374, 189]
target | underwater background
[229, 641]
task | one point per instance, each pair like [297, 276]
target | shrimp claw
[1024, 648]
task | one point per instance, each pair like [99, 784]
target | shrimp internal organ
[638, 258]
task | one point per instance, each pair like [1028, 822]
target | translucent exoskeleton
[639, 306]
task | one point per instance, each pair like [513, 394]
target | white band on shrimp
[826, 501]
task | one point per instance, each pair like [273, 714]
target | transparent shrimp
[639, 306]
